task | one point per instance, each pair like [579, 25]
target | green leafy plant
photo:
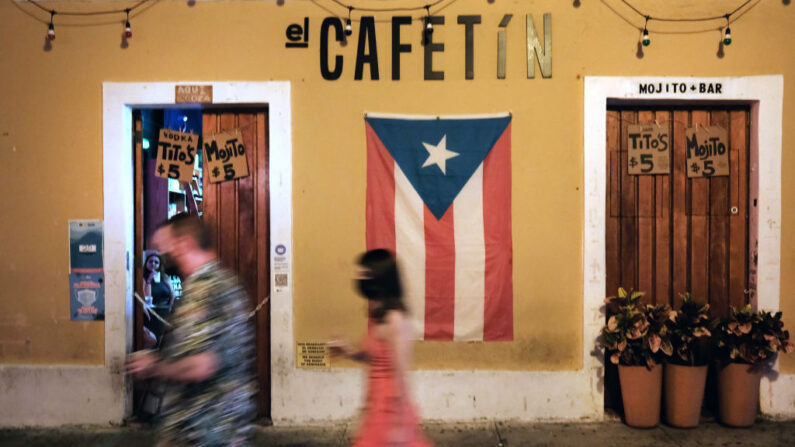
[752, 337]
[635, 335]
[689, 328]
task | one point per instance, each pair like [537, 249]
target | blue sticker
[281, 249]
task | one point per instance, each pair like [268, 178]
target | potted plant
[636, 339]
[748, 341]
[686, 370]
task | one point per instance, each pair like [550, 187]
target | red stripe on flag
[380, 212]
[439, 275]
[498, 307]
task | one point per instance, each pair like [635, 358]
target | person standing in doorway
[207, 357]
[390, 419]
[159, 296]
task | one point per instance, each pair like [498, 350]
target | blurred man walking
[207, 358]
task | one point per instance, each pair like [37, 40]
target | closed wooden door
[669, 234]
[238, 210]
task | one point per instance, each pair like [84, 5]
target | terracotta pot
[684, 394]
[641, 391]
[738, 394]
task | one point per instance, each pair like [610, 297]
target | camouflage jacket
[211, 316]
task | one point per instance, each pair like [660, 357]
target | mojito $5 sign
[648, 149]
[225, 155]
[707, 151]
[176, 153]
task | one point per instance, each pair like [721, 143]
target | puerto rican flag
[439, 196]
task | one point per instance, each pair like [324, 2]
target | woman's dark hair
[383, 284]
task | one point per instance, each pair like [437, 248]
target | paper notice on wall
[176, 155]
[225, 156]
[85, 246]
[707, 151]
[311, 355]
[87, 296]
[648, 149]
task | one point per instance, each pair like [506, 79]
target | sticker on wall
[225, 156]
[648, 149]
[311, 355]
[176, 154]
[87, 296]
[707, 151]
[85, 246]
[280, 266]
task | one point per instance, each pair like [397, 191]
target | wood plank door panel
[238, 210]
[670, 234]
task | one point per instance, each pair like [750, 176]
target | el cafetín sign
[333, 36]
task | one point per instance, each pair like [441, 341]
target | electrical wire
[701, 19]
[88, 13]
[415, 8]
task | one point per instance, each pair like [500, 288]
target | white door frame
[765, 95]
[119, 99]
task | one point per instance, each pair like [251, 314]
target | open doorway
[238, 210]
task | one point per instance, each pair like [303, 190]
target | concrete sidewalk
[485, 434]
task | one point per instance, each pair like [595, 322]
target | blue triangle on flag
[422, 147]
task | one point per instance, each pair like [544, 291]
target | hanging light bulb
[428, 24]
[727, 35]
[348, 25]
[51, 27]
[646, 40]
[127, 30]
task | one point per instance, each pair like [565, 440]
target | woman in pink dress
[390, 419]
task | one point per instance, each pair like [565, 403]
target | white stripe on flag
[470, 260]
[410, 248]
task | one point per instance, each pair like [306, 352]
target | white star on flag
[438, 154]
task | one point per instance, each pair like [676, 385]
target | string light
[397, 8]
[428, 29]
[127, 30]
[126, 11]
[428, 24]
[51, 27]
[348, 28]
[727, 36]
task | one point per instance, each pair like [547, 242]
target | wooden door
[670, 234]
[238, 210]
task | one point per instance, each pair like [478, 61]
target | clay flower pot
[684, 394]
[641, 391]
[738, 394]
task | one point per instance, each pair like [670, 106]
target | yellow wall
[51, 146]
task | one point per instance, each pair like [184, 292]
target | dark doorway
[238, 210]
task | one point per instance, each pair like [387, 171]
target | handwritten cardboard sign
[648, 149]
[176, 154]
[312, 355]
[225, 156]
[193, 93]
[707, 151]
